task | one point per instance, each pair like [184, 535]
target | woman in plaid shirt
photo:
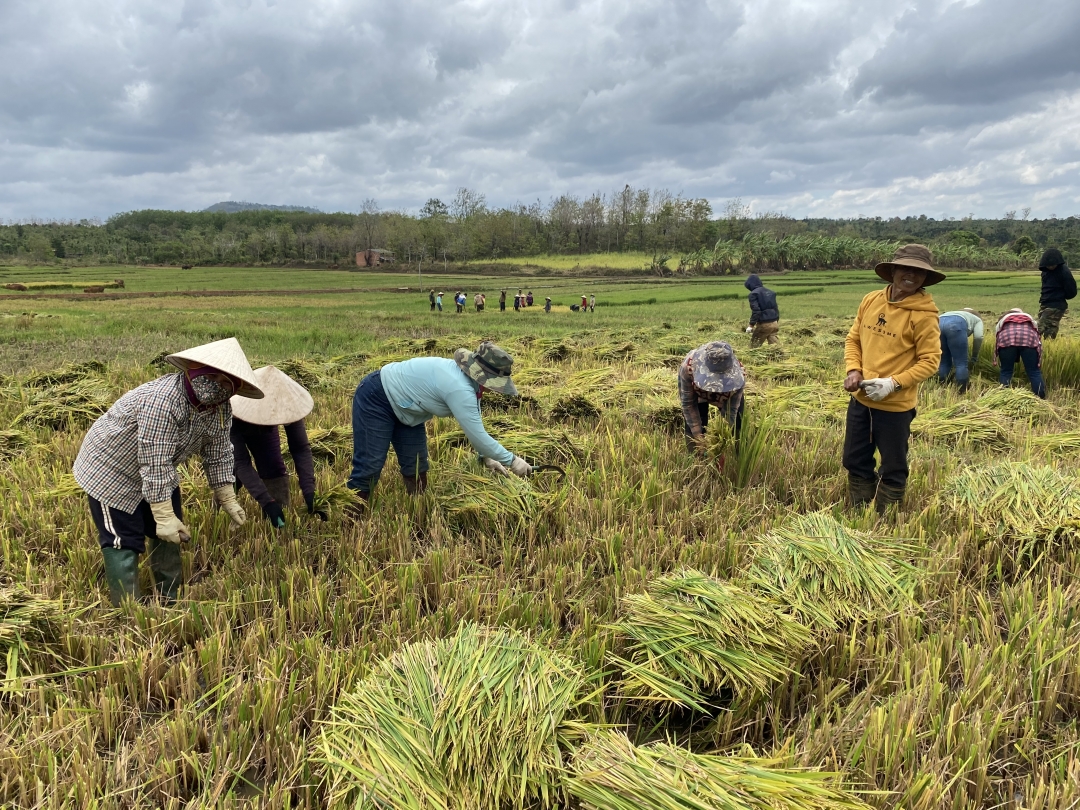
[1017, 338]
[128, 459]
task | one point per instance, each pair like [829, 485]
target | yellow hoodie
[899, 339]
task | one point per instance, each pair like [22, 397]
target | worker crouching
[259, 465]
[710, 375]
[894, 344]
[392, 405]
[128, 463]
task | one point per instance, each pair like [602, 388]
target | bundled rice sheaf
[14, 442]
[964, 423]
[329, 444]
[1070, 440]
[1018, 501]
[536, 445]
[309, 373]
[73, 372]
[814, 399]
[481, 720]
[609, 772]
[494, 402]
[484, 502]
[574, 407]
[827, 573]
[27, 626]
[655, 382]
[589, 381]
[64, 406]
[690, 637]
[1019, 404]
[335, 498]
[537, 375]
[666, 415]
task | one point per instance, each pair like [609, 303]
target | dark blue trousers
[375, 429]
[1007, 357]
[954, 349]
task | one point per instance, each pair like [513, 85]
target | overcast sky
[811, 107]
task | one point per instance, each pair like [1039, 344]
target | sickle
[540, 468]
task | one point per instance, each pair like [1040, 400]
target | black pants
[119, 529]
[887, 432]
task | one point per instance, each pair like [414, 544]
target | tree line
[680, 233]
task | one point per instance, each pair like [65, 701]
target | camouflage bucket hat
[488, 365]
[715, 368]
[917, 256]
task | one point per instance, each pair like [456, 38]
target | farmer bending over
[894, 345]
[764, 314]
[1058, 287]
[255, 436]
[1016, 337]
[710, 375]
[392, 405]
[127, 462]
[956, 327]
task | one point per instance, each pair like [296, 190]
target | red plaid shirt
[1018, 330]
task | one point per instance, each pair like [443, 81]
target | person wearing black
[431, 300]
[764, 314]
[259, 466]
[1058, 287]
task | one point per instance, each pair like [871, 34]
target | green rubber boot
[122, 574]
[278, 489]
[860, 490]
[167, 567]
[888, 496]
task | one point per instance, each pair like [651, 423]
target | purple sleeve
[244, 470]
[300, 448]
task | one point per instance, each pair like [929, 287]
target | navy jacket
[1057, 286]
[763, 307]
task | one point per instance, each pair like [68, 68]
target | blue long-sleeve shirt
[424, 387]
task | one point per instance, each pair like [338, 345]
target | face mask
[209, 391]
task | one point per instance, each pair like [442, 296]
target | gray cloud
[839, 107]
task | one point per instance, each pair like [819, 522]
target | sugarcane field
[536, 539]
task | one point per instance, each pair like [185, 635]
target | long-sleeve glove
[520, 467]
[879, 387]
[321, 514]
[169, 527]
[495, 466]
[226, 498]
[275, 514]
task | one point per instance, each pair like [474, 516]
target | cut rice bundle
[61, 407]
[73, 372]
[477, 721]
[537, 445]
[827, 573]
[14, 442]
[690, 636]
[611, 773]
[329, 444]
[489, 503]
[962, 424]
[1018, 404]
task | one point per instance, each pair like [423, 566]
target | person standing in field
[127, 464]
[547, 304]
[584, 303]
[710, 375]
[258, 463]
[529, 299]
[1016, 337]
[956, 327]
[764, 314]
[459, 301]
[438, 301]
[392, 405]
[431, 300]
[502, 301]
[1058, 288]
[517, 303]
[893, 345]
[478, 302]
[592, 303]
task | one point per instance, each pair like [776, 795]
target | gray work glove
[520, 467]
[495, 466]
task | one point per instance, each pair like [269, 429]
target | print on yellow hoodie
[899, 339]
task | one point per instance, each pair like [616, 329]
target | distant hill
[231, 207]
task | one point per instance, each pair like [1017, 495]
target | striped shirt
[130, 454]
[689, 397]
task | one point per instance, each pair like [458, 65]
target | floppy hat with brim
[285, 401]
[917, 256]
[227, 357]
[488, 365]
[715, 368]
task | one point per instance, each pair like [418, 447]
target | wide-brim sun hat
[715, 369]
[489, 366]
[227, 357]
[285, 401]
[917, 256]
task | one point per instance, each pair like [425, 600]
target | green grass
[963, 693]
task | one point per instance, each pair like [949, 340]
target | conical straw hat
[224, 355]
[286, 401]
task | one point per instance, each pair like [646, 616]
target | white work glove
[879, 387]
[495, 466]
[520, 467]
[749, 330]
[225, 495]
[169, 527]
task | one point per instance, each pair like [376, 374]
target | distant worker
[1058, 288]
[956, 327]
[529, 298]
[893, 345]
[478, 302]
[764, 314]
[502, 301]
[710, 375]
[438, 301]
[431, 300]
[1016, 337]
[547, 304]
[459, 301]
[592, 303]
[517, 303]
[584, 303]
[128, 463]
[392, 405]
[258, 463]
